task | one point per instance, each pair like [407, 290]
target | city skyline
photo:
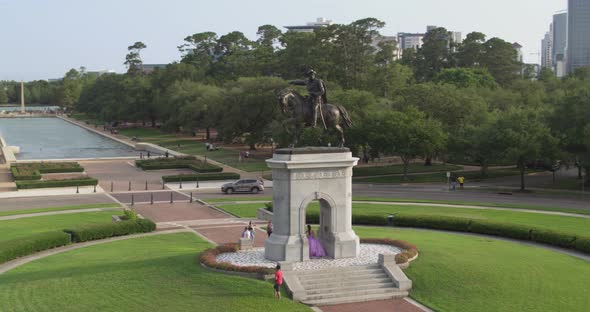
[54, 37]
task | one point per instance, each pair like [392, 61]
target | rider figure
[317, 93]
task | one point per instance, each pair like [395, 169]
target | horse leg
[341, 133]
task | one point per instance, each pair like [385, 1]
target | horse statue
[301, 111]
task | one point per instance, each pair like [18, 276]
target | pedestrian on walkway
[461, 181]
[148, 154]
[246, 233]
[252, 230]
[269, 228]
[278, 281]
[453, 182]
[166, 154]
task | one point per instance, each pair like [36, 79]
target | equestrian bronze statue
[303, 110]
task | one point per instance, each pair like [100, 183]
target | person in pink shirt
[278, 281]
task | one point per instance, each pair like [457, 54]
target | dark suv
[243, 186]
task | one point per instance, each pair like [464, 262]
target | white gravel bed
[368, 254]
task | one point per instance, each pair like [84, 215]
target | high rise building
[409, 41]
[578, 38]
[311, 26]
[547, 49]
[559, 36]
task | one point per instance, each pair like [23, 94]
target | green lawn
[463, 273]
[12, 229]
[156, 273]
[572, 225]
[37, 210]
[470, 176]
[399, 169]
[189, 145]
[242, 210]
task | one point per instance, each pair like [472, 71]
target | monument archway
[300, 176]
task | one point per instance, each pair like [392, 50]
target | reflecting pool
[53, 138]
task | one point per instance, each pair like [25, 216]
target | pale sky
[42, 39]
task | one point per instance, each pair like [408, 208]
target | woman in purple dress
[315, 246]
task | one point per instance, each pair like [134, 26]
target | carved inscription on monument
[315, 175]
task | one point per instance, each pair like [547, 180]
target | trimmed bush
[55, 183]
[582, 244]
[432, 222]
[100, 231]
[201, 177]
[553, 238]
[187, 162]
[268, 206]
[369, 220]
[24, 174]
[205, 168]
[16, 248]
[500, 229]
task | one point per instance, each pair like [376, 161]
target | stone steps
[361, 298]
[347, 285]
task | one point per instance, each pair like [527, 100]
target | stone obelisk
[22, 97]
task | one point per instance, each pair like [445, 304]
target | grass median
[19, 228]
[565, 224]
[142, 274]
[63, 208]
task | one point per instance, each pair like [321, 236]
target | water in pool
[53, 138]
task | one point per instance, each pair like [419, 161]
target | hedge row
[33, 171]
[24, 175]
[187, 162]
[201, 177]
[100, 231]
[13, 249]
[55, 183]
[516, 231]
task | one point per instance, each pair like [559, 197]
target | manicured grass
[463, 273]
[470, 176]
[460, 203]
[399, 169]
[242, 210]
[191, 146]
[564, 224]
[236, 199]
[12, 229]
[156, 273]
[37, 210]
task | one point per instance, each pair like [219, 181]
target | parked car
[243, 186]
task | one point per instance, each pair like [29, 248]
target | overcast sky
[42, 39]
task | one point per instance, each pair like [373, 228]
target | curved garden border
[208, 258]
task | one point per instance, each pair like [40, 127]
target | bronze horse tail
[345, 116]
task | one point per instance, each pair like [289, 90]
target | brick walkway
[178, 212]
[396, 305]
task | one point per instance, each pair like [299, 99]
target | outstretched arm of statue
[298, 82]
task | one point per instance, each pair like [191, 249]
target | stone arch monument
[300, 176]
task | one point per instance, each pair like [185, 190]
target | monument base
[300, 176]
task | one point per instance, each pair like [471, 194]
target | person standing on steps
[278, 281]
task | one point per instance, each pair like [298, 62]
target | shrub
[501, 229]
[24, 173]
[204, 167]
[56, 183]
[432, 222]
[201, 177]
[129, 214]
[100, 231]
[369, 220]
[13, 249]
[553, 238]
[268, 206]
[582, 244]
[409, 250]
[208, 258]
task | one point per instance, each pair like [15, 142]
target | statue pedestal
[300, 176]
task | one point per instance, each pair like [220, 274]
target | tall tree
[470, 51]
[133, 58]
[199, 49]
[500, 59]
